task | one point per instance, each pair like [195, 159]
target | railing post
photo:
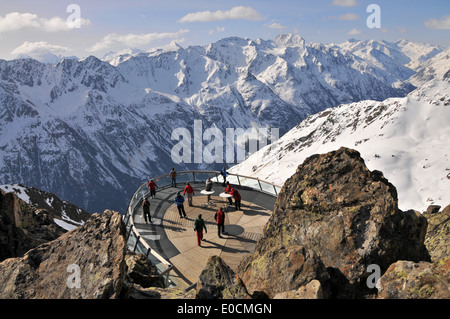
[275, 189]
[137, 241]
[239, 181]
[260, 187]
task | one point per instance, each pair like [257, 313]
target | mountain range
[91, 131]
[405, 138]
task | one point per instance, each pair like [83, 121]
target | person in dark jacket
[146, 211]
[199, 225]
[220, 220]
[179, 200]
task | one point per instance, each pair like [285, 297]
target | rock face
[23, 227]
[423, 280]
[437, 238]
[345, 218]
[218, 281]
[88, 262]
[409, 280]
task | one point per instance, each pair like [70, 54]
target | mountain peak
[290, 40]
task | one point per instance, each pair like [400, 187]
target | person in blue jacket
[179, 200]
[224, 173]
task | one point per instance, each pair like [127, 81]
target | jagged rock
[141, 271]
[23, 227]
[437, 238]
[219, 281]
[88, 262]
[282, 269]
[410, 280]
[313, 290]
[347, 215]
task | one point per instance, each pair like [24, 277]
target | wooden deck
[175, 238]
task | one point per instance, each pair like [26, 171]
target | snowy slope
[405, 138]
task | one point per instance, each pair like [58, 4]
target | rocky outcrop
[410, 280]
[23, 227]
[141, 271]
[437, 238]
[218, 281]
[423, 280]
[346, 215]
[88, 262]
[313, 290]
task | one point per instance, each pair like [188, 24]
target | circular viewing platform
[170, 241]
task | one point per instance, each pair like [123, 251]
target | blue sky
[37, 26]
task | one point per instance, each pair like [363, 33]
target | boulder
[313, 290]
[347, 216]
[88, 262]
[410, 280]
[219, 281]
[141, 271]
[437, 239]
[281, 269]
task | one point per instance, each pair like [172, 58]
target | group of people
[199, 223]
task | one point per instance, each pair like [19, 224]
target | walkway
[174, 238]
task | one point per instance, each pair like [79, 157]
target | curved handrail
[143, 191]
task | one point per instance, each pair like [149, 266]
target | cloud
[133, 40]
[441, 24]
[17, 21]
[349, 17]
[345, 3]
[236, 13]
[354, 31]
[276, 25]
[34, 49]
[218, 29]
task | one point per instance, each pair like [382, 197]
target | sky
[81, 28]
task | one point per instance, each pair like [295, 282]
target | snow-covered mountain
[92, 131]
[405, 138]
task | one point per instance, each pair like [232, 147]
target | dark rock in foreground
[346, 215]
[88, 262]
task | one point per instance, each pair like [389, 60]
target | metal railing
[138, 244]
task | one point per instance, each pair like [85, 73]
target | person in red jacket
[237, 198]
[152, 187]
[220, 220]
[228, 191]
[190, 192]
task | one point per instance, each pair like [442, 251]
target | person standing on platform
[146, 211]
[199, 225]
[208, 187]
[228, 191]
[152, 188]
[220, 220]
[190, 192]
[237, 198]
[173, 177]
[224, 174]
[179, 200]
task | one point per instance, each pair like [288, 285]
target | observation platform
[170, 242]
